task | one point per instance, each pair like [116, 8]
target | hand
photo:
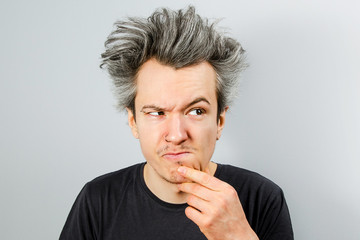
[215, 207]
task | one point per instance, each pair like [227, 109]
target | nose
[176, 130]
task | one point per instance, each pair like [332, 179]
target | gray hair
[174, 38]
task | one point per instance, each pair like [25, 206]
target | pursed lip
[175, 155]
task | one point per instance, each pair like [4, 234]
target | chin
[171, 175]
[188, 163]
[176, 178]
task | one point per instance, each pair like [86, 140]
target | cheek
[149, 138]
[209, 130]
[207, 138]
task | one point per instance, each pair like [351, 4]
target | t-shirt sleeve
[263, 202]
[81, 222]
[276, 224]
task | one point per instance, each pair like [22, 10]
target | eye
[156, 113]
[197, 112]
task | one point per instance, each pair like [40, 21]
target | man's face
[176, 117]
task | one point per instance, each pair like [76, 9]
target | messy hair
[174, 38]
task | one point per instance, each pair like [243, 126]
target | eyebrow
[153, 107]
[199, 99]
[157, 108]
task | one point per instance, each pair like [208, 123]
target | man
[176, 75]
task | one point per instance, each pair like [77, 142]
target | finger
[197, 190]
[202, 178]
[194, 215]
[198, 203]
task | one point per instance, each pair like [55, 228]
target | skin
[177, 126]
[215, 207]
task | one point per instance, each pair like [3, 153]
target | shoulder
[246, 180]
[263, 202]
[125, 173]
[114, 181]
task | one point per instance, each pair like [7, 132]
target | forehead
[162, 84]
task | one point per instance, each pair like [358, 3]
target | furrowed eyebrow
[153, 108]
[160, 109]
[197, 100]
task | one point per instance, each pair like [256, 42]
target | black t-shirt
[119, 206]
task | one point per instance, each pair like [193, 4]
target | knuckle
[233, 193]
[230, 191]
[208, 223]
[222, 204]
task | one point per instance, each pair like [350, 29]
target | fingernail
[182, 170]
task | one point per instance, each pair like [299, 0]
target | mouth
[175, 156]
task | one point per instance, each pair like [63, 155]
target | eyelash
[161, 113]
[202, 111]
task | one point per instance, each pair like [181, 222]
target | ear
[132, 123]
[221, 123]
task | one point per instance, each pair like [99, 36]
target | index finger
[201, 177]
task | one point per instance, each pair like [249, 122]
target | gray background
[296, 121]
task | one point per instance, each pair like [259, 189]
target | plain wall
[296, 121]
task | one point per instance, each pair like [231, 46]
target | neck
[165, 190]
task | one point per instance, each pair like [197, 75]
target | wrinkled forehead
[162, 83]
